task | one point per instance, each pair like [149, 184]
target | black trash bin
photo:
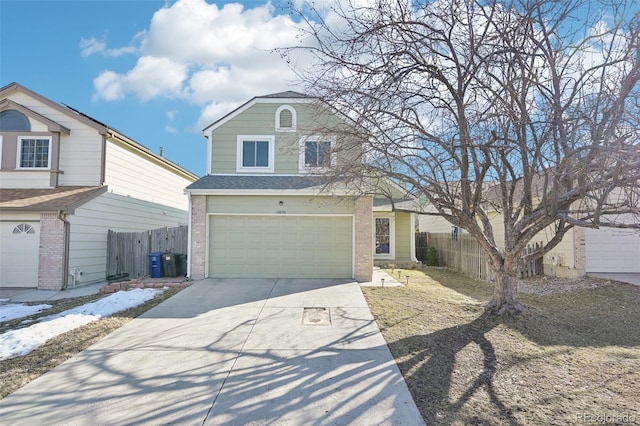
[155, 265]
[181, 264]
[169, 264]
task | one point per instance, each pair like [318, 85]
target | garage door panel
[277, 246]
[612, 250]
[19, 254]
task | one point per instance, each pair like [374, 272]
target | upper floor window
[14, 121]
[316, 153]
[34, 152]
[255, 154]
[285, 119]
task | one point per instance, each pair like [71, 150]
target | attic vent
[14, 121]
[286, 118]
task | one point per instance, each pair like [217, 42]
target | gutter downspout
[67, 235]
[412, 236]
[189, 238]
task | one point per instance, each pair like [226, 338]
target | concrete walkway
[229, 351]
[21, 295]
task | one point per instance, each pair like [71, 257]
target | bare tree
[526, 107]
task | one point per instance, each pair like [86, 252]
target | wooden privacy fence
[464, 254]
[129, 251]
[422, 244]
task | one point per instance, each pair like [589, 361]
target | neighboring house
[581, 251]
[264, 209]
[65, 179]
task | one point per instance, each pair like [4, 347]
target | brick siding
[198, 236]
[579, 242]
[364, 239]
[52, 251]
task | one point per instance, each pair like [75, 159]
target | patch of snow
[12, 311]
[22, 341]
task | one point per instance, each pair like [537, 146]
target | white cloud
[108, 86]
[91, 45]
[151, 77]
[208, 55]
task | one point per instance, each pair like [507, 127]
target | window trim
[239, 152]
[294, 119]
[392, 237]
[21, 139]
[302, 167]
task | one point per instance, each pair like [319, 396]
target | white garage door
[612, 250]
[281, 246]
[19, 247]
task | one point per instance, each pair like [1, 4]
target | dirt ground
[572, 356]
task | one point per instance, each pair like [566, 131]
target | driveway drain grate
[316, 316]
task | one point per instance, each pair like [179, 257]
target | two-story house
[265, 210]
[65, 180]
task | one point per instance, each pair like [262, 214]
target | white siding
[613, 249]
[433, 224]
[128, 173]
[30, 179]
[80, 157]
[80, 151]
[91, 221]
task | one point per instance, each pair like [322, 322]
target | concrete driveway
[231, 351]
[629, 278]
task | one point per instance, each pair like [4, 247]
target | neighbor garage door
[612, 250]
[281, 246]
[19, 248]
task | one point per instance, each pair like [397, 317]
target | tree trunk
[505, 292]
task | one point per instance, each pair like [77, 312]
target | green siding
[259, 119]
[262, 204]
[403, 236]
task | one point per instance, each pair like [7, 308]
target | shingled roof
[48, 199]
[243, 182]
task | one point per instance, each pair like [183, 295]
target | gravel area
[544, 285]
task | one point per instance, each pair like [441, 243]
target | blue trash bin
[155, 265]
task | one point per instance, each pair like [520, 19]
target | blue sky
[158, 71]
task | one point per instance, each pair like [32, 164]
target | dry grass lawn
[573, 356]
[17, 372]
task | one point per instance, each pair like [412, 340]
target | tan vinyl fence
[465, 255]
[128, 252]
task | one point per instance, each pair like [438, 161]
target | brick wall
[364, 239]
[579, 241]
[198, 236]
[52, 251]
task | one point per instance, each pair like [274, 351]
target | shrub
[432, 256]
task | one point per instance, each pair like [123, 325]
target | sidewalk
[24, 295]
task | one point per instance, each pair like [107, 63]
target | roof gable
[51, 125]
[15, 87]
[288, 97]
[100, 127]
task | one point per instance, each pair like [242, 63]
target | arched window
[24, 228]
[285, 119]
[14, 121]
